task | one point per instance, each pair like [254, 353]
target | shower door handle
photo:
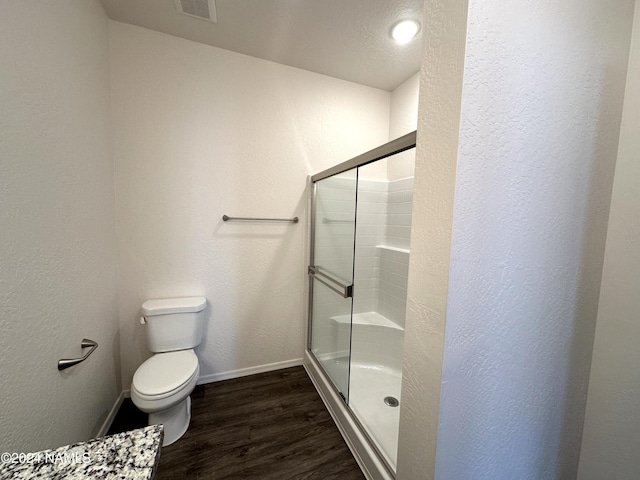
[340, 288]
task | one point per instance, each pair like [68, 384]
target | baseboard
[112, 415]
[243, 372]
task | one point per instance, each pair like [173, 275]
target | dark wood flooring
[270, 426]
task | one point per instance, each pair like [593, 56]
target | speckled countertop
[130, 455]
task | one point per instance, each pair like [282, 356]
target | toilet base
[175, 420]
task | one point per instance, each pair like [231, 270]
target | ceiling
[347, 39]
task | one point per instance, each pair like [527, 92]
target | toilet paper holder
[70, 362]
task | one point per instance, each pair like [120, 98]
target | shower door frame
[364, 449]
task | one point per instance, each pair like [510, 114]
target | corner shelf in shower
[394, 249]
[372, 319]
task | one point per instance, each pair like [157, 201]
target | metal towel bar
[70, 362]
[328, 220]
[340, 288]
[226, 218]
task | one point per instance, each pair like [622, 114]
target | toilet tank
[174, 323]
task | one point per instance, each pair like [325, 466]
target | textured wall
[200, 132]
[542, 100]
[611, 438]
[435, 167]
[57, 234]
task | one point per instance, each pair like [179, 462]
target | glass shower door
[331, 273]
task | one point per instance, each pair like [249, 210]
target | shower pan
[359, 260]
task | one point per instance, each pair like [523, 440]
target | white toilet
[162, 384]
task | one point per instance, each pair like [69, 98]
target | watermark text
[46, 457]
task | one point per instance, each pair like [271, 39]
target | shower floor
[368, 387]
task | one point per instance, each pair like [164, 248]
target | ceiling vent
[204, 9]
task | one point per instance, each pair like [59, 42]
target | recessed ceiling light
[405, 30]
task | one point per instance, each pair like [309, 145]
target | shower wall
[382, 247]
[372, 211]
[359, 341]
[333, 252]
[382, 241]
[394, 261]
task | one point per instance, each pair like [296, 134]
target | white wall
[542, 101]
[542, 90]
[57, 234]
[444, 33]
[611, 438]
[200, 132]
[403, 119]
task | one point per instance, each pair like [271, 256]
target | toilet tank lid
[163, 306]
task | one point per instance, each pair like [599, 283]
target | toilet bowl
[162, 384]
[161, 387]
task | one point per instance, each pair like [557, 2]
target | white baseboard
[243, 372]
[112, 415]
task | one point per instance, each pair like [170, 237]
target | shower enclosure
[359, 259]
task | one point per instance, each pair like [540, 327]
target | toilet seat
[165, 374]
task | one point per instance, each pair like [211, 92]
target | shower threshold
[372, 461]
[369, 386]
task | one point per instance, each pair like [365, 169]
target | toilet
[162, 384]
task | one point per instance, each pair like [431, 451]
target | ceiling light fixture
[403, 31]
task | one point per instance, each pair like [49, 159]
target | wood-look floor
[266, 426]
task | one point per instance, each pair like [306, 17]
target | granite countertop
[130, 455]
